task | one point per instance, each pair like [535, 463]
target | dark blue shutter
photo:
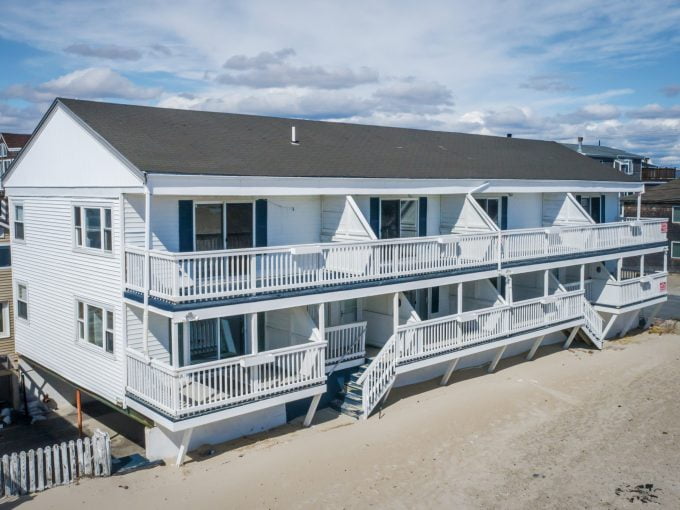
[186, 225]
[602, 210]
[435, 300]
[375, 216]
[261, 222]
[504, 213]
[422, 216]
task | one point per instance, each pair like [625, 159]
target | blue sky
[604, 70]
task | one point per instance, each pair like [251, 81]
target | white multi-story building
[216, 272]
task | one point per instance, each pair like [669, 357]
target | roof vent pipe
[293, 138]
[580, 144]
[509, 135]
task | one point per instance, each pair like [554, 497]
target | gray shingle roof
[162, 140]
[602, 151]
[663, 193]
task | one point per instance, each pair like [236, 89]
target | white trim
[674, 243]
[211, 185]
[673, 208]
[14, 237]
[85, 342]
[7, 332]
[17, 284]
[82, 248]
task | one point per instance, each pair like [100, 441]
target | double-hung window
[675, 214]
[95, 326]
[22, 301]
[93, 229]
[19, 221]
[675, 249]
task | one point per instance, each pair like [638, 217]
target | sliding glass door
[220, 226]
[398, 218]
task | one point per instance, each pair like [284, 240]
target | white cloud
[108, 51]
[89, 83]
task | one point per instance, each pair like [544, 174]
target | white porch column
[459, 298]
[395, 313]
[186, 341]
[665, 260]
[639, 204]
[360, 309]
[147, 269]
[582, 286]
[546, 280]
[619, 266]
[508, 289]
[322, 321]
[252, 329]
[642, 265]
[174, 339]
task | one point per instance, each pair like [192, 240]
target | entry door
[239, 226]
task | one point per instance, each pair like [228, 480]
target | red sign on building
[664, 227]
[662, 286]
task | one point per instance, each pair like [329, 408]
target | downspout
[147, 265]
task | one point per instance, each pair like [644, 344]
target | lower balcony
[180, 393]
[632, 291]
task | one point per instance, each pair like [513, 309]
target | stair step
[348, 409]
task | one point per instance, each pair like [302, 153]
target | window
[95, 326]
[675, 216]
[3, 150]
[492, 208]
[224, 225]
[4, 319]
[675, 249]
[593, 205]
[22, 301]
[5, 256]
[19, 221]
[624, 165]
[93, 228]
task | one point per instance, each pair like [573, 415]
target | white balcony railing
[428, 338]
[346, 342]
[192, 276]
[182, 392]
[634, 290]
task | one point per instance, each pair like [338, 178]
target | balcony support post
[322, 320]
[639, 204]
[635, 314]
[174, 336]
[448, 373]
[459, 298]
[571, 337]
[652, 316]
[546, 282]
[582, 284]
[534, 348]
[147, 268]
[186, 341]
[496, 359]
[508, 289]
[395, 313]
[252, 329]
[183, 447]
[619, 267]
[312, 410]
[642, 265]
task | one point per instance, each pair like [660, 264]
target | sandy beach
[571, 429]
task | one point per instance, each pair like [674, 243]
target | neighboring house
[10, 146]
[624, 161]
[662, 202]
[220, 274]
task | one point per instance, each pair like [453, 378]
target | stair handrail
[387, 358]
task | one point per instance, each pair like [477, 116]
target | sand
[571, 429]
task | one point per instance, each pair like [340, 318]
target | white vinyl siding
[57, 276]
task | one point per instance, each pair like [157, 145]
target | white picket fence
[61, 464]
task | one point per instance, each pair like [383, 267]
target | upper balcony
[194, 276]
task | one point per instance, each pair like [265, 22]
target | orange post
[80, 413]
